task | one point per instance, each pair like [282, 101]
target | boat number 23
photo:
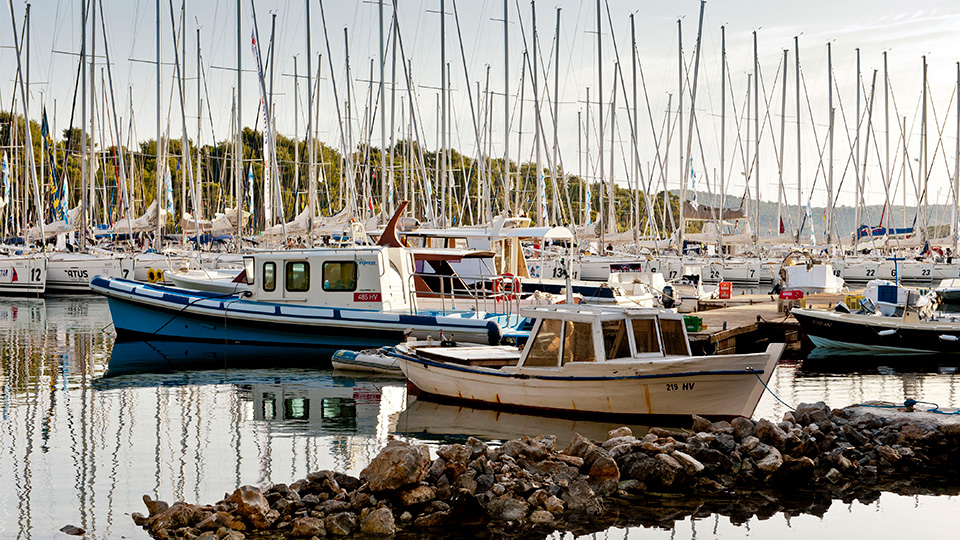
[674, 387]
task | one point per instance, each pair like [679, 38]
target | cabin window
[645, 335]
[248, 265]
[340, 276]
[615, 342]
[578, 343]
[298, 276]
[269, 276]
[545, 350]
[674, 341]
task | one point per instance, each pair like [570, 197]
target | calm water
[88, 427]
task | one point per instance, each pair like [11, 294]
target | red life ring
[506, 286]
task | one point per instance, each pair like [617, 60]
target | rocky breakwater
[528, 487]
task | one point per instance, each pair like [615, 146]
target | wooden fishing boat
[593, 360]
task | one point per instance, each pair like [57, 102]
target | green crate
[693, 323]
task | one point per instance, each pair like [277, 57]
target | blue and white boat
[356, 298]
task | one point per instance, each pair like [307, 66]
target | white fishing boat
[596, 360]
[216, 281]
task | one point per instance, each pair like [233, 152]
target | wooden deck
[746, 323]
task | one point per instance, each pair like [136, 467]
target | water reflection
[89, 426]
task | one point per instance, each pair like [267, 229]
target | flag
[693, 187]
[782, 230]
[250, 183]
[168, 187]
[813, 238]
[5, 174]
[56, 195]
[543, 198]
[589, 202]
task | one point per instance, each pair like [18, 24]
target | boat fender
[494, 333]
[159, 276]
[667, 298]
[152, 275]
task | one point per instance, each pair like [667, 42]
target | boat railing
[477, 290]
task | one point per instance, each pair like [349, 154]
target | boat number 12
[674, 387]
[36, 274]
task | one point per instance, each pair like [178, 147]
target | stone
[347, 482]
[398, 464]
[554, 505]
[334, 506]
[749, 444]
[854, 435]
[742, 427]
[231, 521]
[619, 432]
[252, 506]
[477, 447]
[603, 475]
[154, 507]
[72, 530]
[431, 520]
[232, 535]
[721, 427]
[307, 527]
[668, 468]
[796, 471]
[506, 509]
[378, 522]
[771, 434]
[579, 497]
[417, 495]
[179, 515]
[467, 510]
[526, 447]
[455, 453]
[889, 454]
[619, 441]
[340, 524]
[541, 517]
[689, 463]
[833, 476]
[772, 462]
[805, 412]
[700, 424]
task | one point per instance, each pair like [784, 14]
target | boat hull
[870, 332]
[716, 386]
[144, 311]
[366, 361]
[23, 275]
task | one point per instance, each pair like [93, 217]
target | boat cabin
[584, 334]
[362, 277]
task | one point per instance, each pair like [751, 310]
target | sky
[905, 31]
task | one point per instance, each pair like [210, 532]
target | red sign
[725, 289]
[366, 297]
[791, 295]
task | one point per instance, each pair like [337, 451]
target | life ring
[151, 275]
[505, 287]
[159, 276]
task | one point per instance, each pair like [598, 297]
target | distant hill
[844, 215]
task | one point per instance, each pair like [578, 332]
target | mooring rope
[772, 393]
[910, 403]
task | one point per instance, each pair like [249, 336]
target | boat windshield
[578, 342]
[615, 342]
[645, 335]
[545, 350]
[674, 342]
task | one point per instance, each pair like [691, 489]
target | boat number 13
[674, 387]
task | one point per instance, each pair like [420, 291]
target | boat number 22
[674, 387]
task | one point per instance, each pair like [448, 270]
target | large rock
[771, 434]
[397, 465]
[341, 524]
[603, 474]
[378, 522]
[179, 515]
[418, 495]
[154, 507]
[307, 527]
[579, 497]
[525, 447]
[772, 462]
[742, 427]
[507, 509]
[252, 506]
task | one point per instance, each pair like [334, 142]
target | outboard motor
[667, 299]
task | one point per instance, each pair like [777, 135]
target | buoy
[159, 276]
[151, 275]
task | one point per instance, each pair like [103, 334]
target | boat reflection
[838, 361]
[134, 357]
[427, 419]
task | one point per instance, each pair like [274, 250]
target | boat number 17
[674, 387]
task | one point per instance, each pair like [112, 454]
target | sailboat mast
[605, 226]
[538, 173]
[956, 174]
[796, 54]
[556, 122]
[383, 119]
[723, 136]
[783, 129]
[688, 157]
[506, 107]
[756, 151]
[830, 113]
[311, 182]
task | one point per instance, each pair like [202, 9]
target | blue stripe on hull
[137, 321]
